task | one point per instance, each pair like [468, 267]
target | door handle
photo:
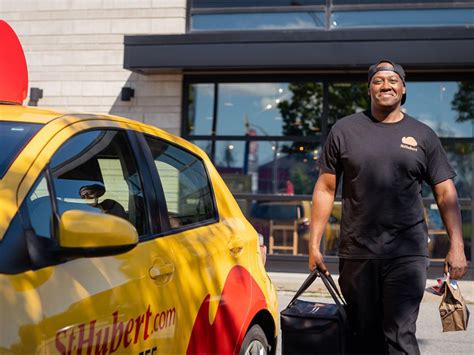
[161, 273]
[236, 245]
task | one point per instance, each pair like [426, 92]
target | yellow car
[117, 237]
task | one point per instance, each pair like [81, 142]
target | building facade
[258, 86]
[74, 50]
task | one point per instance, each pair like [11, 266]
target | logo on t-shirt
[409, 143]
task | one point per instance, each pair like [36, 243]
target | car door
[209, 253]
[102, 304]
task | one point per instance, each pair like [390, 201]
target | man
[108, 206]
[383, 156]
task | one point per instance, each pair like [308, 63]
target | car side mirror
[83, 233]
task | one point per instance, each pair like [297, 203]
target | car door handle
[236, 246]
[161, 272]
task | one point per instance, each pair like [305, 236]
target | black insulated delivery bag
[315, 327]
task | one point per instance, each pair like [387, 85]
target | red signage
[13, 69]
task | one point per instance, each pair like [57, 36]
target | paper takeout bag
[453, 309]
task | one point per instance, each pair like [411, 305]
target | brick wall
[74, 50]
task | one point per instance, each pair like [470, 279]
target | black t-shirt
[383, 166]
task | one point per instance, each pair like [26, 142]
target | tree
[303, 112]
[463, 101]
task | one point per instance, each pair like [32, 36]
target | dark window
[258, 21]
[14, 255]
[40, 208]
[95, 171]
[326, 15]
[257, 15]
[185, 182]
[201, 106]
[26, 243]
[402, 18]
[254, 3]
[13, 137]
[386, 2]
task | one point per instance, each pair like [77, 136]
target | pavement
[290, 283]
[431, 339]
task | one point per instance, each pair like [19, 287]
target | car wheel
[255, 342]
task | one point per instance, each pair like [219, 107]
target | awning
[423, 48]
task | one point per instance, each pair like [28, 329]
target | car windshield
[13, 137]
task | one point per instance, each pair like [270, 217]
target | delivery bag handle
[328, 283]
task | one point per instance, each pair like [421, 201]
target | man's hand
[455, 263]
[316, 259]
[447, 200]
[323, 200]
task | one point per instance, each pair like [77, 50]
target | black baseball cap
[396, 68]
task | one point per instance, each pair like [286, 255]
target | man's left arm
[447, 200]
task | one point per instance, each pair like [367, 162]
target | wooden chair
[284, 236]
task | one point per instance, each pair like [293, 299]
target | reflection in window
[346, 99]
[252, 108]
[185, 184]
[301, 112]
[95, 171]
[257, 21]
[13, 137]
[295, 109]
[438, 245]
[447, 107]
[460, 157]
[402, 18]
[255, 3]
[295, 217]
[40, 209]
[200, 109]
[385, 2]
[206, 146]
[268, 166]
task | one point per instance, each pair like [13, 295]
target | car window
[95, 171]
[13, 137]
[39, 206]
[185, 184]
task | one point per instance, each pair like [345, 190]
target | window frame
[329, 8]
[190, 11]
[141, 170]
[148, 157]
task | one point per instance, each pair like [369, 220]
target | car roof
[20, 113]
[26, 114]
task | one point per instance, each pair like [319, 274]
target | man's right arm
[323, 201]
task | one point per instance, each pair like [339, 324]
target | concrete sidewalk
[290, 283]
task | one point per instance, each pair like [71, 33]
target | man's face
[386, 88]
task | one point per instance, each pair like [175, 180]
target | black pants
[383, 299]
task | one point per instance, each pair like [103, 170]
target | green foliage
[302, 181]
[463, 101]
[346, 99]
[302, 114]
